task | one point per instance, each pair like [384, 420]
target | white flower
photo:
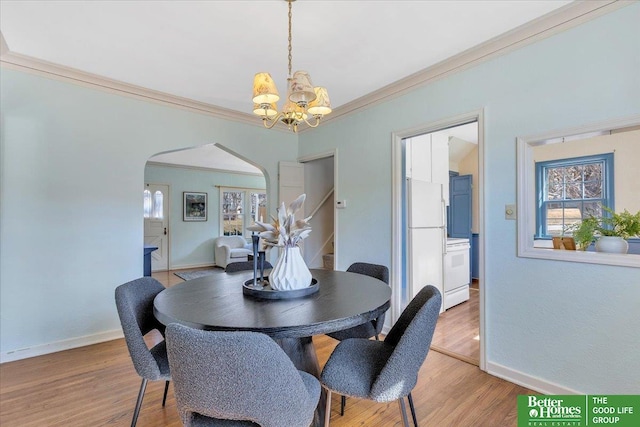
[285, 231]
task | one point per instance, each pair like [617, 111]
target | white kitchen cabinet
[427, 159]
[440, 162]
[420, 158]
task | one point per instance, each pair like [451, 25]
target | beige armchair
[228, 249]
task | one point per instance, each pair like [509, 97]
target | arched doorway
[196, 181]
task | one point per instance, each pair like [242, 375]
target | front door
[156, 224]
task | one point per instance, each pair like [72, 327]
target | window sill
[542, 252]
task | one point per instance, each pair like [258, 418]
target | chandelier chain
[289, 38]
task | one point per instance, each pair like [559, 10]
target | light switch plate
[341, 204]
[510, 212]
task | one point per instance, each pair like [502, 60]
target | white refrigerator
[427, 235]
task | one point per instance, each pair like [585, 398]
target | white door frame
[396, 214]
[336, 192]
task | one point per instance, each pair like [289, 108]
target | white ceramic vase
[290, 271]
[612, 244]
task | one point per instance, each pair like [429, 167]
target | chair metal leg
[164, 398]
[327, 412]
[343, 403]
[136, 411]
[405, 421]
[413, 411]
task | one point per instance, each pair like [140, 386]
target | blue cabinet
[475, 256]
[147, 259]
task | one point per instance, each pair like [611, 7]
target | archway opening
[205, 192]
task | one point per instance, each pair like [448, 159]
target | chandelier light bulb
[265, 110]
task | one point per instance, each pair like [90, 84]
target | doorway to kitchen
[456, 268]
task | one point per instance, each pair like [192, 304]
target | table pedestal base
[303, 355]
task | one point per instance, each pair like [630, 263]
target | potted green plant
[609, 232]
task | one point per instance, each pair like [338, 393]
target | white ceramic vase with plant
[290, 271]
[610, 233]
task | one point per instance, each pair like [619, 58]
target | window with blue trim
[569, 190]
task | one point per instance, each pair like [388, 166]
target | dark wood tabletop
[217, 303]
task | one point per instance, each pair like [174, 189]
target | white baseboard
[53, 347]
[528, 381]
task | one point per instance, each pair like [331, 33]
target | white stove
[456, 272]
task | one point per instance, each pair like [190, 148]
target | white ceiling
[208, 156]
[208, 51]
[462, 140]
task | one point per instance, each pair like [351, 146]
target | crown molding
[44, 68]
[562, 19]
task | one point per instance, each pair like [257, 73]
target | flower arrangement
[286, 231]
[290, 271]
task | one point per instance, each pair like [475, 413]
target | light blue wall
[72, 170]
[575, 325]
[192, 242]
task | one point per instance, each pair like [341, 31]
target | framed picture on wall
[195, 206]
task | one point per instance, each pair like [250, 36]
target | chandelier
[303, 100]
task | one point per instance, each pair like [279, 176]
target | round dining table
[217, 302]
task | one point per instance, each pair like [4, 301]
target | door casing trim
[397, 212]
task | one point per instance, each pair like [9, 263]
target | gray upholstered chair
[369, 329]
[374, 327]
[134, 301]
[237, 379]
[387, 370]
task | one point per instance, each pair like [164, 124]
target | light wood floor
[97, 386]
[458, 330]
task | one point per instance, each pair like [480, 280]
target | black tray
[267, 293]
